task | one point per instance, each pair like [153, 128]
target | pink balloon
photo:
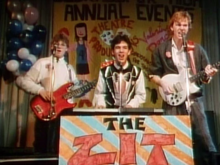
[31, 15]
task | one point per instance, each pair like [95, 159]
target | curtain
[210, 41]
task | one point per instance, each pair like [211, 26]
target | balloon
[18, 15]
[31, 15]
[27, 37]
[15, 27]
[26, 4]
[40, 32]
[23, 53]
[14, 5]
[36, 48]
[12, 65]
[25, 65]
[28, 27]
[12, 55]
[32, 58]
[14, 44]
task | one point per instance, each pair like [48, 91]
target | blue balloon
[25, 65]
[36, 48]
[27, 37]
[14, 44]
[13, 55]
[15, 27]
[40, 33]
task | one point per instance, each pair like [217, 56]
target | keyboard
[119, 110]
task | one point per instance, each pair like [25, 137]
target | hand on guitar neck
[210, 71]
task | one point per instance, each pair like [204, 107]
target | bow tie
[125, 76]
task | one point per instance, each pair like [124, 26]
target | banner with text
[144, 21]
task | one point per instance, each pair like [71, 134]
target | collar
[58, 60]
[174, 45]
[118, 66]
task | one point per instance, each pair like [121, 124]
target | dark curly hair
[60, 37]
[118, 38]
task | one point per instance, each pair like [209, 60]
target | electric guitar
[49, 110]
[178, 82]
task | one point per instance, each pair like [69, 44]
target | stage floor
[21, 156]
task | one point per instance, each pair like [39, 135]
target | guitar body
[48, 111]
[178, 82]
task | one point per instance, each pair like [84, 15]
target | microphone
[53, 49]
[120, 81]
[120, 66]
[184, 40]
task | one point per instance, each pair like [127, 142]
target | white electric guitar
[178, 83]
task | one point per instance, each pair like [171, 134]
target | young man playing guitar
[171, 58]
[47, 75]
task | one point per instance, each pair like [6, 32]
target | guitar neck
[76, 92]
[197, 76]
[202, 73]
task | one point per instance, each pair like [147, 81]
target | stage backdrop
[124, 139]
[98, 21]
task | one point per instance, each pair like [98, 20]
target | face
[61, 49]
[121, 52]
[81, 32]
[179, 28]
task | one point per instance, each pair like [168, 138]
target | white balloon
[32, 58]
[18, 15]
[23, 53]
[12, 65]
[28, 27]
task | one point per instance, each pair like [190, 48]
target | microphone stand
[52, 110]
[188, 102]
[120, 88]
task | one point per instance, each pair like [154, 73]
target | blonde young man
[171, 58]
[47, 75]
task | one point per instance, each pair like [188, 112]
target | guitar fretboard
[202, 74]
[80, 90]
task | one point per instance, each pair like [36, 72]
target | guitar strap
[190, 50]
[70, 75]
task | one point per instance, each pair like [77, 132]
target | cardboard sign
[125, 139]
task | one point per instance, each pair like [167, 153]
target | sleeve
[30, 82]
[74, 78]
[204, 62]
[99, 94]
[155, 67]
[140, 92]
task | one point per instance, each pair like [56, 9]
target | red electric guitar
[46, 110]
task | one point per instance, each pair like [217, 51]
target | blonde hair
[177, 16]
